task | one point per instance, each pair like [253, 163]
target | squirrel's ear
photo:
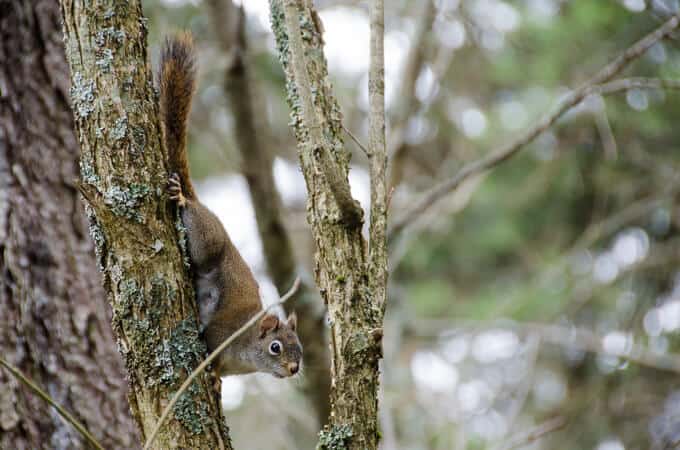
[292, 321]
[269, 322]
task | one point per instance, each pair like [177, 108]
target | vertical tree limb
[377, 156]
[229, 26]
[342, 264]
[124, 175]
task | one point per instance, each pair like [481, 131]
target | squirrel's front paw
[175, 189]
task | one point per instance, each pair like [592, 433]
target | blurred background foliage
[511, 298]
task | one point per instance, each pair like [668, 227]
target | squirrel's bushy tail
[177, 86]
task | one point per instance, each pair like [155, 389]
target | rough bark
[229, 24]
[342, 264]
[134, 225]
[55, 325]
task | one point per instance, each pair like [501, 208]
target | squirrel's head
[278, 348]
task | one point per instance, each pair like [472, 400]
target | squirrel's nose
[293, 368]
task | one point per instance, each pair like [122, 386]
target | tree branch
[527, 437]
[356, 140]
[593, 86]
[350, 210]
[138, 237]
[342, 271]
[378, 155]
[533, 345]
[626, 84]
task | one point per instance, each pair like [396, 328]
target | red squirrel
[226, 291]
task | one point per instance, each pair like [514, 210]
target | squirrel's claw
[175, 189]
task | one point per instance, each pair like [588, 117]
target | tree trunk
[256, 160]
[136, 228]
[55, 325]
[343, 267]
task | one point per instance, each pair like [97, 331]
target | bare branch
[168, 409]
[351, 211]
[592, 342]
[606, 133]
[596, 85]
[356, 140]
[343, 270]
[616, 221]
[62, 412]
[527, 437]
[377, 155]
[134, 226]
[626, 84]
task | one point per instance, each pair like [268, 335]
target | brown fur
[226, 290]
[177, 87]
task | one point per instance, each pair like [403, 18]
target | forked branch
[350, 210]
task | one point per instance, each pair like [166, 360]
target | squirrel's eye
[275, 348]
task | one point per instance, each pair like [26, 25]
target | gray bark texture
[257, 166]
[137, 234]
[349, 284]
[54, 324]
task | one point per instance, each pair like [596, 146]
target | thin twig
[356, 140]
[599, 84]
[626, 84]
[527, 437]
[350, 209]
[62, 412]
[604, 129]
[617, 220]
[518, 403]
[168, 409]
